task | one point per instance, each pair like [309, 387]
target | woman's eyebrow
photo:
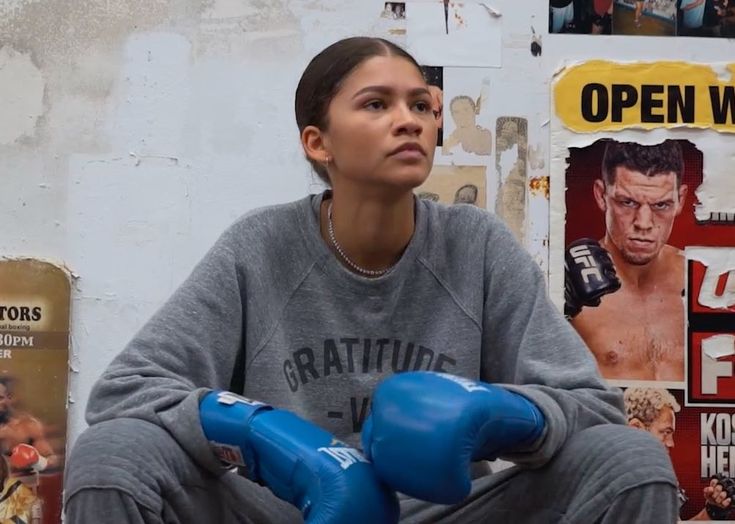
[389, 90]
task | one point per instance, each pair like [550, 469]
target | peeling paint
[78, 47]
[536, 157]
[58, 265]
[224, 9]
[91, 74]
[169, 160]
[8, 7]
[724, 74]
[719, 261]
[719, 217]
[539, 185]
[233, 26]
[536, 48]
[21, 95]
[717, 346]
[495, 13]
[54, 31]
[320, 5]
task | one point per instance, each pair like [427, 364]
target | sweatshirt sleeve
[530, 348]
[188, 347]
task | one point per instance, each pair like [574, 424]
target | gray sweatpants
[132, 471]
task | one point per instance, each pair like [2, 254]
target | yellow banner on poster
[610, 96]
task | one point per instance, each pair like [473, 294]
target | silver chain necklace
[333, 239]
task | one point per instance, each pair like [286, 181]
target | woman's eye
[422, 107]
[375, 104]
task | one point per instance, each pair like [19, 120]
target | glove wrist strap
[225, 418]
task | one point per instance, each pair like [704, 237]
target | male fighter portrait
[22, 437]
[623, 293]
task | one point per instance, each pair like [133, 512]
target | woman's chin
[410, 178]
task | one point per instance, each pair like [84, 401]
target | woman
[309, 306]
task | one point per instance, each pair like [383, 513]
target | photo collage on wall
[643, 233]
[704, 18]
[489, 150]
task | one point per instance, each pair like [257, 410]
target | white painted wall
[133, 132]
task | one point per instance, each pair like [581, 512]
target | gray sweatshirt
[271, 300]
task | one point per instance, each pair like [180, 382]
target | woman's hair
[325, 74]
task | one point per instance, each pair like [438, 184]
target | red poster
[666, 328]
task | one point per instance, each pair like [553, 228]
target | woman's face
[382, 130]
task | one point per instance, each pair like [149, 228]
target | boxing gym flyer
[34, 353]
[642, 251]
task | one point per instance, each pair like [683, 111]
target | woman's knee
[127, 454]
[622, 453]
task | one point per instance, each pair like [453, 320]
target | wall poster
[34, 354]
[643, 250]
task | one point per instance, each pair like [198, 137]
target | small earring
[328, 159]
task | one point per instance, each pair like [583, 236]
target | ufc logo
[710, 325]
[709, 294]
[583, 257]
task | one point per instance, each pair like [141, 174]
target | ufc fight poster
[643, 251]
[34, 348]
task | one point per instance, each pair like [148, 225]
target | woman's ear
[313, 142]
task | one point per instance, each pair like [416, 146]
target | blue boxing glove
[426, 428]
[297, 460]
